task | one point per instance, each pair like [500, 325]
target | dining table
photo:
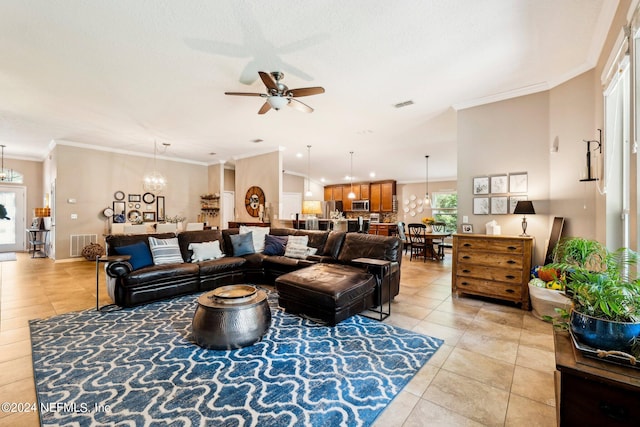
[430, 250]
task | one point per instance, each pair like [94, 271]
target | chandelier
[155, 182]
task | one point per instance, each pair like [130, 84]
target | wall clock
[253, 199]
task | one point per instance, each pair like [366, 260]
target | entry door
[12, 230]
[228, 208]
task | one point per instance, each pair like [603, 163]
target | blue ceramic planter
[603, 334]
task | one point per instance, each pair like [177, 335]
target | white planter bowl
[545, 301]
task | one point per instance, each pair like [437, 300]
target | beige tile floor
[494, 369]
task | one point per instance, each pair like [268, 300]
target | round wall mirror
[148, 198]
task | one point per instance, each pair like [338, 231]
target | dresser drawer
[494, 259]
[492, 245]
[501, 290]
[490, 273]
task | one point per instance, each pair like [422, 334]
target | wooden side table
[590, 392]
[99, 259]
[382, 270]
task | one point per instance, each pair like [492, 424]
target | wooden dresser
[492, 266]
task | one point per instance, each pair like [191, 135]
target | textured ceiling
[122, 74]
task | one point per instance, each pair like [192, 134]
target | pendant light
[427, 200]
[308, 193]
[351, 194]
[3, 173]
[154, 182]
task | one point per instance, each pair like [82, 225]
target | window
[445, 209]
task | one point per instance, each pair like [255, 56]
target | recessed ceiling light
[298, 155]
[372, 174]
[322, 179]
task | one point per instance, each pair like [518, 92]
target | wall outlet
[74, 216]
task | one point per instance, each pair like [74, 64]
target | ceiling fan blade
[298, 105]
[268, 81]
[244, 94]
[265, 107]
[306, 91]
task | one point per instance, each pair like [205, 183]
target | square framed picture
[499, 205]
[134, 198]
[513, 201]
[481, 206]
[148, 216]
[499, 184]
[467, 228]
[481, 185]
[518, 182]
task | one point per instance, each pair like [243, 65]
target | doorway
[228, 208]
[12, 228]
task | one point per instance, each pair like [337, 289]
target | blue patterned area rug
[139, 366]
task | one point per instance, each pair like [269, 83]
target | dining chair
[439, 227]
[418, 239]
[169, 227]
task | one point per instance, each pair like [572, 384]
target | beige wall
[263, 171]
[229, 179]
[91, 177]
[502, 138]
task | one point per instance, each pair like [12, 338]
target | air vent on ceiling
[403, 104]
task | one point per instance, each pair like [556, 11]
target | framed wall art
[499, 184]
[148, 216]
[518, 182]
[481, 206]
[481, 185]
[499, 205]
[160, 208]
[467, 228]
[134, 198]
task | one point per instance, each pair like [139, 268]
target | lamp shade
[311, 207]
[524, 207]
[277, 102]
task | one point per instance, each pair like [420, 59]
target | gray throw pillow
[242, 244]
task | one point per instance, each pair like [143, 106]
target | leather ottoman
[327, 293]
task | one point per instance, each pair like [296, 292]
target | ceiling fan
[278, 94]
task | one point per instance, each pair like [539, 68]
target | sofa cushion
[139, 252]
[275, 245]
[258, 234]
[165, 251]
[205, 251]
[242, 244]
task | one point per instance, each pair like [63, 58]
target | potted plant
[605, 291]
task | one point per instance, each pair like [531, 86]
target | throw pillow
[206, 250]
[298, 240]
[165, 251]
[242, 244]
[139, 252]
[274, 245]
[296, 251]
[259, 234]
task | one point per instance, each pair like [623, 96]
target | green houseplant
[605, 291]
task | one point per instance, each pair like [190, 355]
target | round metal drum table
[231, 317]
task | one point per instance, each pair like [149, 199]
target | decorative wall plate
[406, 209]
[412, 197]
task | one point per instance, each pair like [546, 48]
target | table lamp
[524, 207]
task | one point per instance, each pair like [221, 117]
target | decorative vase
[429, 229]
[603, 334]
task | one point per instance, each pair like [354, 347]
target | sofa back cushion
[200, 236]
[334, 244]
[358, 245]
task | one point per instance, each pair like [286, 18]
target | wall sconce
[599, 148]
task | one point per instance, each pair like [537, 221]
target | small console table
[590, 392]
[380, 269]
[38, 242]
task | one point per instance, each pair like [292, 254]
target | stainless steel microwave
[360, 205]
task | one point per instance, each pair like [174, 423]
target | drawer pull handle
[511, 262]
[466, 257]
[464, 283]
[466, 245]
[512, 248]
[509, 291]
[466, 271]
[509, 276]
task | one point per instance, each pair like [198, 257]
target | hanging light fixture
[154, 182]
[3, 173]
[427, 200]
[351, 194]
[308, 193]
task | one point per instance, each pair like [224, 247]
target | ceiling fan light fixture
[277, 102]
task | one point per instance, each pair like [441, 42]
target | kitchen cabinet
[383, 229]
[381, 196]
[492, 266]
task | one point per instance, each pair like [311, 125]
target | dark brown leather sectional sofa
[133, 287]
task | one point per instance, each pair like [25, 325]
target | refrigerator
[330, 206]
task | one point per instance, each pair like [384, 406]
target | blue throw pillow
[140, 254]
[242, 244]
[275, 245]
